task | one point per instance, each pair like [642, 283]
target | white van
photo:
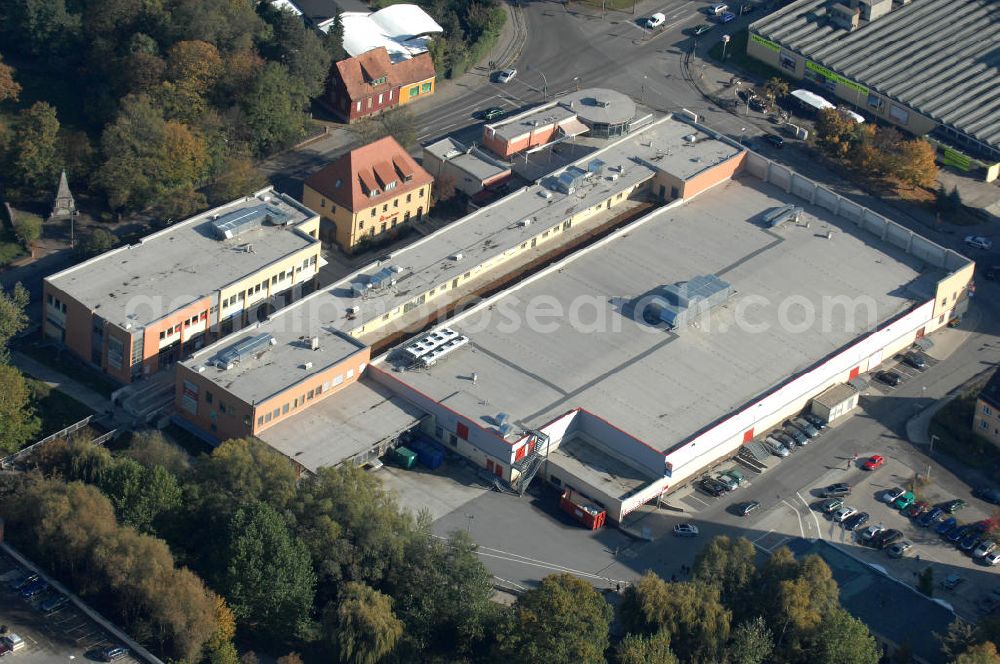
[655, 21]
[718, 8]
[13, 642]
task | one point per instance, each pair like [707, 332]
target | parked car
[813, 419]
[890, 495]
[971, 539]
[712, 487]
[992, 273]
[506, 75]
[112, 653]
[953, 506]
[493, 113]
[718, 8]
[838, 490]
[899, 549]
[915, 360]
[800, 438]
[23, 581]
[958, 534]
[737, 475]
[784, 438]
[34, 589]
[840, 515]
[992, 558]
[930, 518]
[654, 20]
[745, 509]
[983, 548]
[978, 242]
[831, 505]
[917, 508]
[951, 581]
[701, 29]
[870, 533]
[803, 425]
[855, 521]
[53, 603]
[890, 378]
[776, 448]
[10, 643]
[887, 538]
[905, 501]
[686, 530]
[727, 17]
[874, 462]
[946, 526]
[726, 481]
[987, 494]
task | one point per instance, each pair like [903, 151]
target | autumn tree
[18, 423]
[219, 648]
[10, 89]
[192, 69]
[238, 177]
[917, 165]
[36, 157]
[151, 449]
[835, 132]
[775, 88]
[752, 643]
[728, 564]
[645, 649]
[981, 653]
[97, 241]
[363, 626]
[562, 621]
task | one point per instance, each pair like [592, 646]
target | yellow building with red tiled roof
[368, 193]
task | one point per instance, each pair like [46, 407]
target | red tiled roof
[348, 181]
[358, 72]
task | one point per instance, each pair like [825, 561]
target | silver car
[777, 449]
[805, 427]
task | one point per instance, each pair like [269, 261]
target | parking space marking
[819, 532]
[802, 531]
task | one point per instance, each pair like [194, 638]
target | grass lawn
[953, 427]
[56, 409]
[10, 248]
[71, 367]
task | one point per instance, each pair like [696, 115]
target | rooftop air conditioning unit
[314, 343]
[353, 311]
[457, 257]
[691, 138]
[524, 223]
[201, 368]
[307, 366]
[545, 193]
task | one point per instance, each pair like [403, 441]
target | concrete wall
[633, 450]
[986, 422]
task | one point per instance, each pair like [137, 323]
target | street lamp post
[933, 438]
[468, 526]
[545, 82]
[725, 43]
[576, 81]
[742, 129]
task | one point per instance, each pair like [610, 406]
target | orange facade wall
[310, 391]
[713, 176]
[536, 136]
[178, 319]
[76, 320]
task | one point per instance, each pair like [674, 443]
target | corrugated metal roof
[940, 57]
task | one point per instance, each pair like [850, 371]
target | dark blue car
[946, 526]
[930, 518]
[956, 534]
[855, 521]
[35, 588]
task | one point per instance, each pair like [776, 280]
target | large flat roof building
[930, 66]
[141, 306]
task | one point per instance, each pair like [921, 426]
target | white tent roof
[812, 99]
[402, 29]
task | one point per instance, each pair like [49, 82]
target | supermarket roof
[267, 358]
[574, 338]
[940, 57]
[189, 260]
[351, 422]
[490, 231]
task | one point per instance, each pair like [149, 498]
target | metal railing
[8, 461]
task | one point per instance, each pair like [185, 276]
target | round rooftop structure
[606, 112]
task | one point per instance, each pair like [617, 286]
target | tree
[843, 639]
[219, 648]
[36, 158]
[151, 449]
[140, 494]
[239, 177]
[835, 132]
[982, 653]
[18, 423]
[752, 643]
[290, 658]
[363, 625]
[274, 107]
[269, 578]
[925, 582]
[728, 564]
[9, 88]
[192, 69]
[960, 635]
[28, 227]
[41, 26]
[247, 470]
[643, 649]
[917, 165]
[562, 621]
[97, 241]
[398, 123]
[775, 88]
[297, 47]
[691, 613]
[12, 317]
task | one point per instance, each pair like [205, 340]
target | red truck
[583, 509]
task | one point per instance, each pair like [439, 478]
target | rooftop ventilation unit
[691, 138]
[457, 256]
[501, 419]
[314, 343]
[524, 223]
[505, 429]
[777, 217]
[595, 166]
[234, 224]
[681, 304]
[423, 350]
[307, 366]
[244, 349]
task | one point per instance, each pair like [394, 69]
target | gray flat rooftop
[472, 161]
[274, 367]
[583, 459]
[940, 57]
[585, 347]
[350, 422]
[540, 117]
[601, 106]
[489, 232]
[170, 269]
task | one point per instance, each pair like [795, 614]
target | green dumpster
[404, 457]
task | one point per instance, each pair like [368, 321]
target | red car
[874, 462]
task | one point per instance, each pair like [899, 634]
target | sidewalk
[56, 380]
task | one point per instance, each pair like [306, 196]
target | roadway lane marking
[819, 532]
[763, 536]
[802, 531]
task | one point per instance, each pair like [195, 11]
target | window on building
[415, 90]
[374, 211]
[350, 373]
[984, 424]
[426, 87]
[310, 394]
[420, 192]
[409, 197]
[267, 417]
[163, 335]
[322, 202]
[987, 410]
[385, 208]
[284, 409]
[380, 98]
[277, 411]
[222, 406]
[391, 185]
[337, 380]
[260, 420]
[208, 397]
[358, 106]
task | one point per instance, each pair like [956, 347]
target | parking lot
[903, 369]
[49, 636]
